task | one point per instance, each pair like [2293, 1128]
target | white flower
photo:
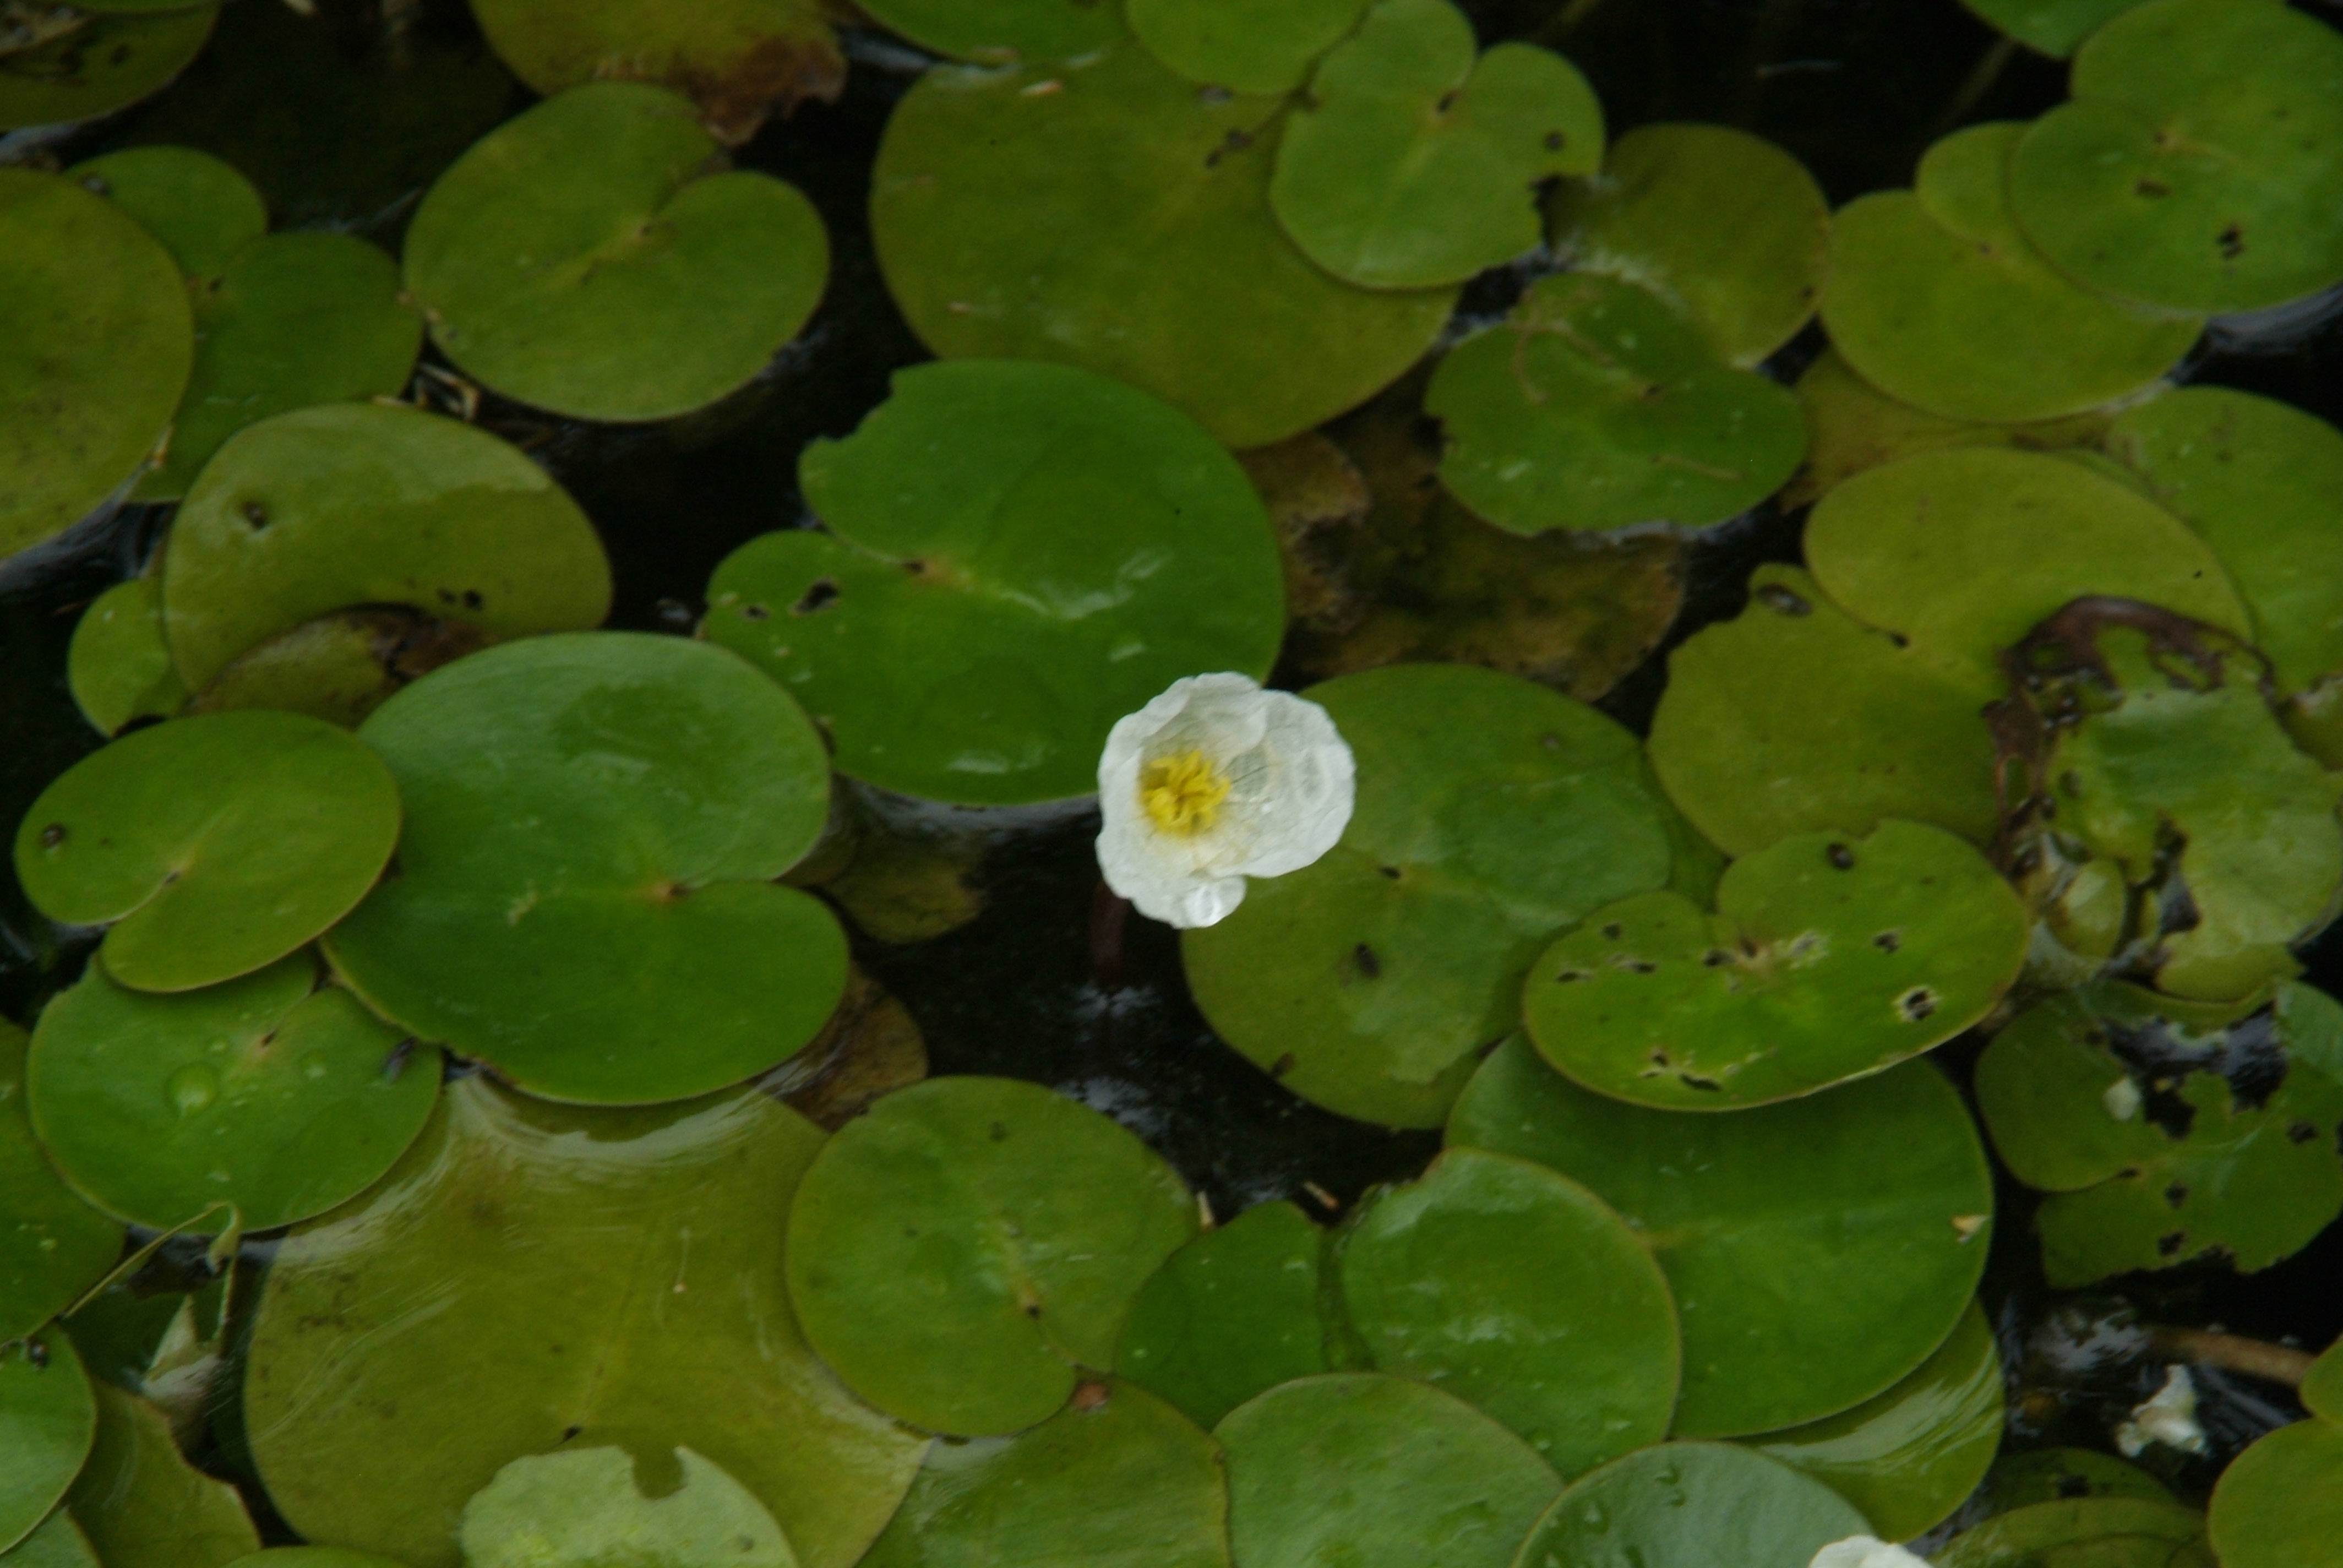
[2168, 1416]
[1214, 781]
[1864, 1552]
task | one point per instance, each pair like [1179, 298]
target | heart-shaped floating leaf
[1019, 555]
[1492, 815]
[737, 59]
[118, 665]
[1936, 297]
[1002, 32]
[141, 1501]
[1727, 226]
[1594, 405]
[582, 259]
[1797, 719]
[2053, 26]
[215, 845]
[1411, 163]
[2280, 1504]
[1522, 1292]
[1247, 46]
[1828, 957]
[55, 1246]
[2196, 168]
[1117, 1479]
[48, 1417]
[1105, 214]
[1692, 1505]
[1819, 1250]
[96, 341]
[1232, 1313]
[2155, 1126]
[360, 504]
[201, 208]
[372, 1424]
[1373, 1471]
[113, 56]
[1909, 1457]
[257, 1103]
[585, 1507]
[586, 895]
[961, 1250]
[2115, 1532]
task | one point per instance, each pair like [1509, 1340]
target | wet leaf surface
[1688, 1505]
[2115, 1532]
[52, 1245]
[1230, 1314]
[48, 1417]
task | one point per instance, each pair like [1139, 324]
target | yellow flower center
[1182, 794]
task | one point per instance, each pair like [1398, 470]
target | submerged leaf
[584, 1508]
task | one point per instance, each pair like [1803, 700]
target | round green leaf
[201, 208]
[1413, 161]
[586, 895]
[2047, 1474]
[1910, 1456]
[1819, 1250]
[1492, 815]
[580, 259]
[1829, 957]
[1691, 1505]
[294, 320]
[52, 1246]
[96, 341]
[2053, 26]
[1229, 1314]
[1725, 225]
[2097, 1531]
[118, 667]
[1001, 32]
[1935, 298]
[361, 504]
[1962, 553]
[2322, 1387]
[55, 1543]
[47, 1418]
[373, 1423]
[960, 1251]
[1594, 405]
[144, 1505]
[584, 1508]
[2280, 1503]
[1796, 717]
[1241, 45]
[214, 844]
[1376, 1471]
[2083, 1096]
[2196, 168]
[1106, 215]
[1522, 1292]
[1121, 1481]
[268, 1096]
[113, 59]
[947, 630]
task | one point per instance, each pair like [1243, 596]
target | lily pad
[580, 259]
[373, 1423]
[1796, 717]
[1909, 1457]
[48, 1417]
[2048, 1474]
[584, 1507]
[215, 845]
[338, 667]
[55, 1543]
[361, 504]
[1240, 45]
[1118, 1480]
[1522, 1292]
[1106, 215]
[140, 1503]
[737, 59]
[1017, 556]
[1373, 1471]
[2196, 167]
[1000, 32]
[1819, 1250]
[963, 1250]
[200, 207]
[1413, 160]
[586, 896]
[2165, 1131]
[52, 1246]
[1829, 957]
[118, 665]
[2322, 1386]
[96, 342]
[268, 1096]
[2102, 1532]
[1722, 225]
[1232, 1313]
[2053, 26]
[1691, 1505]
[1492, 815]
[1594, 405]
[113, 59]
[2280, 1504]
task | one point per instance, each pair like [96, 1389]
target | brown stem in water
[2233, 1352]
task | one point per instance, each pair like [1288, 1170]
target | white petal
[1865, 1551]
[2168, 1416]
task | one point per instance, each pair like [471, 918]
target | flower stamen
[1183, 793]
